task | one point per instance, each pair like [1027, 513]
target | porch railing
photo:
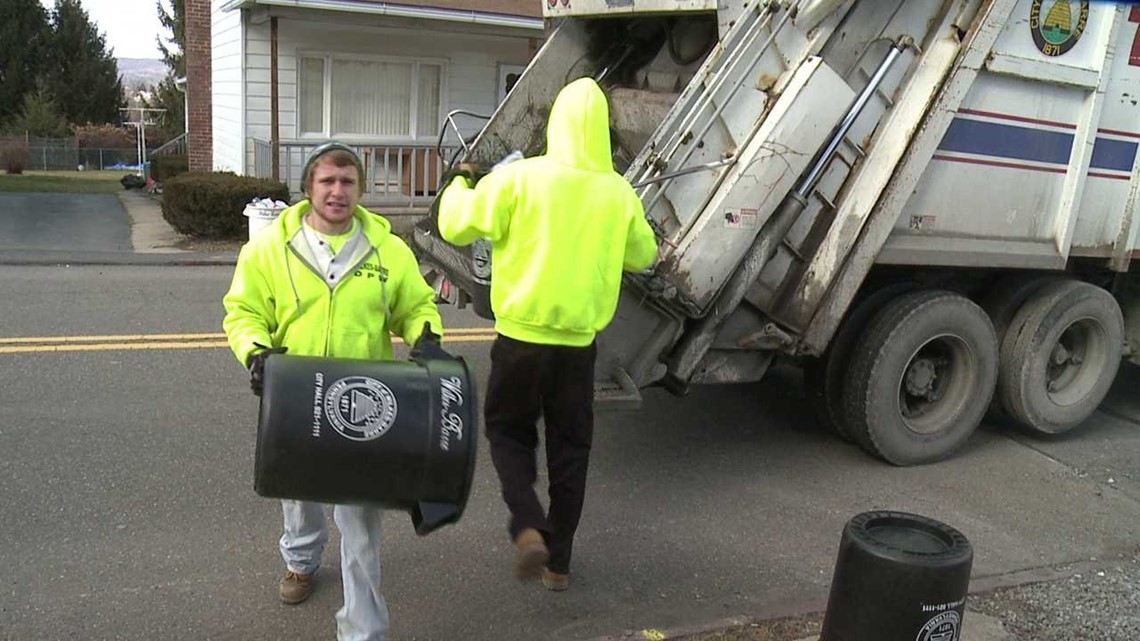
[173, 146]
[403, 175]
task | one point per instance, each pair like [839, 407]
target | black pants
[528, 381]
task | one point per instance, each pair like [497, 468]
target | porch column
[274, 105]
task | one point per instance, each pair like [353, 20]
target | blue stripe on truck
[1033, 145]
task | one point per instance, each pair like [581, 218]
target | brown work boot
[295, 587]
[530, 554]
[554, 581]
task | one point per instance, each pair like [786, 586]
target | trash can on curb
[260, 217]
[898, 577]
[397, 435]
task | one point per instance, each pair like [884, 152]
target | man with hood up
[562, 226]
[328, 278]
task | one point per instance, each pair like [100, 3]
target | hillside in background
[141, 72]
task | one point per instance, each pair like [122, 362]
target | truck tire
[1001, 302]
[1060, 356]
[922, 377]
[824, 376]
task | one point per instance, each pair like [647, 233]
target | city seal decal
[1057, 29]
[943, 627]
[360, 408]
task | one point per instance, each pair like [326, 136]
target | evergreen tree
[166, 94]
[175, 21]
[84, 78]
[39, 116]
[24, 35]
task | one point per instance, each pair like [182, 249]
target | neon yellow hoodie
[278, 298]
[562, 227]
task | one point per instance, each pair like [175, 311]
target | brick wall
[200, 140]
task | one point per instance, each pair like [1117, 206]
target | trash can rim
[861, 527]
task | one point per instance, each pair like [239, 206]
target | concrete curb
[42, 257]
[976, 627]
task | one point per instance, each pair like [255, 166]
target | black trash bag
[132, 181]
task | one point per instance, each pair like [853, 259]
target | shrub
[210, 205]
[104, 137]
[167, 166]
[14, 157]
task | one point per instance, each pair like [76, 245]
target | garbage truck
[930, 204]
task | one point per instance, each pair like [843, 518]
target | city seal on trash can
[396, 435]
[360, 408]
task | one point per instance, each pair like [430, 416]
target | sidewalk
[150, 233]
[153, 236]
[975, 627]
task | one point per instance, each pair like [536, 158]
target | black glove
[470, 171]
[427, 347]
[257, 366]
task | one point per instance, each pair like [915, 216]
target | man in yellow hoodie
[328, 278]
[562, 227]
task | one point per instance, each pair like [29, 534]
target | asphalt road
[129, 513]
[72, 222]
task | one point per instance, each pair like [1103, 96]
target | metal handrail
[172, 146]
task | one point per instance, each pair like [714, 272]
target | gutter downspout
[180, 85]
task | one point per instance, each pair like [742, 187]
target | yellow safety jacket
[279, 297]
[562, 227]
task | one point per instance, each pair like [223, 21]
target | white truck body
[974, 143]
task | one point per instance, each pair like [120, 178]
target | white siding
[471, 61]
[226, 79]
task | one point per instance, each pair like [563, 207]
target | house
[380, 76]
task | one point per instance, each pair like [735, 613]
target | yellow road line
[459, 332]
[102, 347]
[201, 344]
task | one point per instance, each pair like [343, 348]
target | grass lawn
[70, 182]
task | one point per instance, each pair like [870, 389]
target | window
[339, 96]
[508, 76]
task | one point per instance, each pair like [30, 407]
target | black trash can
[396, 435]
[898, 577]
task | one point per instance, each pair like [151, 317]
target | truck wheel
[1060, 356]
[1001, 302]
[824, 376]
[921, 379]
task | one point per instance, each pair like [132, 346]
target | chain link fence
[44, 154]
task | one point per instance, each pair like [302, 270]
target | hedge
[210, 205]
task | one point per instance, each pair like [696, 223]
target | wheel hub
[1066, 358]
[920, 377]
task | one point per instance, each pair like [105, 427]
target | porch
[399, 179]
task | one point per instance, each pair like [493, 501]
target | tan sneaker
[295, 588]
[554, 581]
[530, 554]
